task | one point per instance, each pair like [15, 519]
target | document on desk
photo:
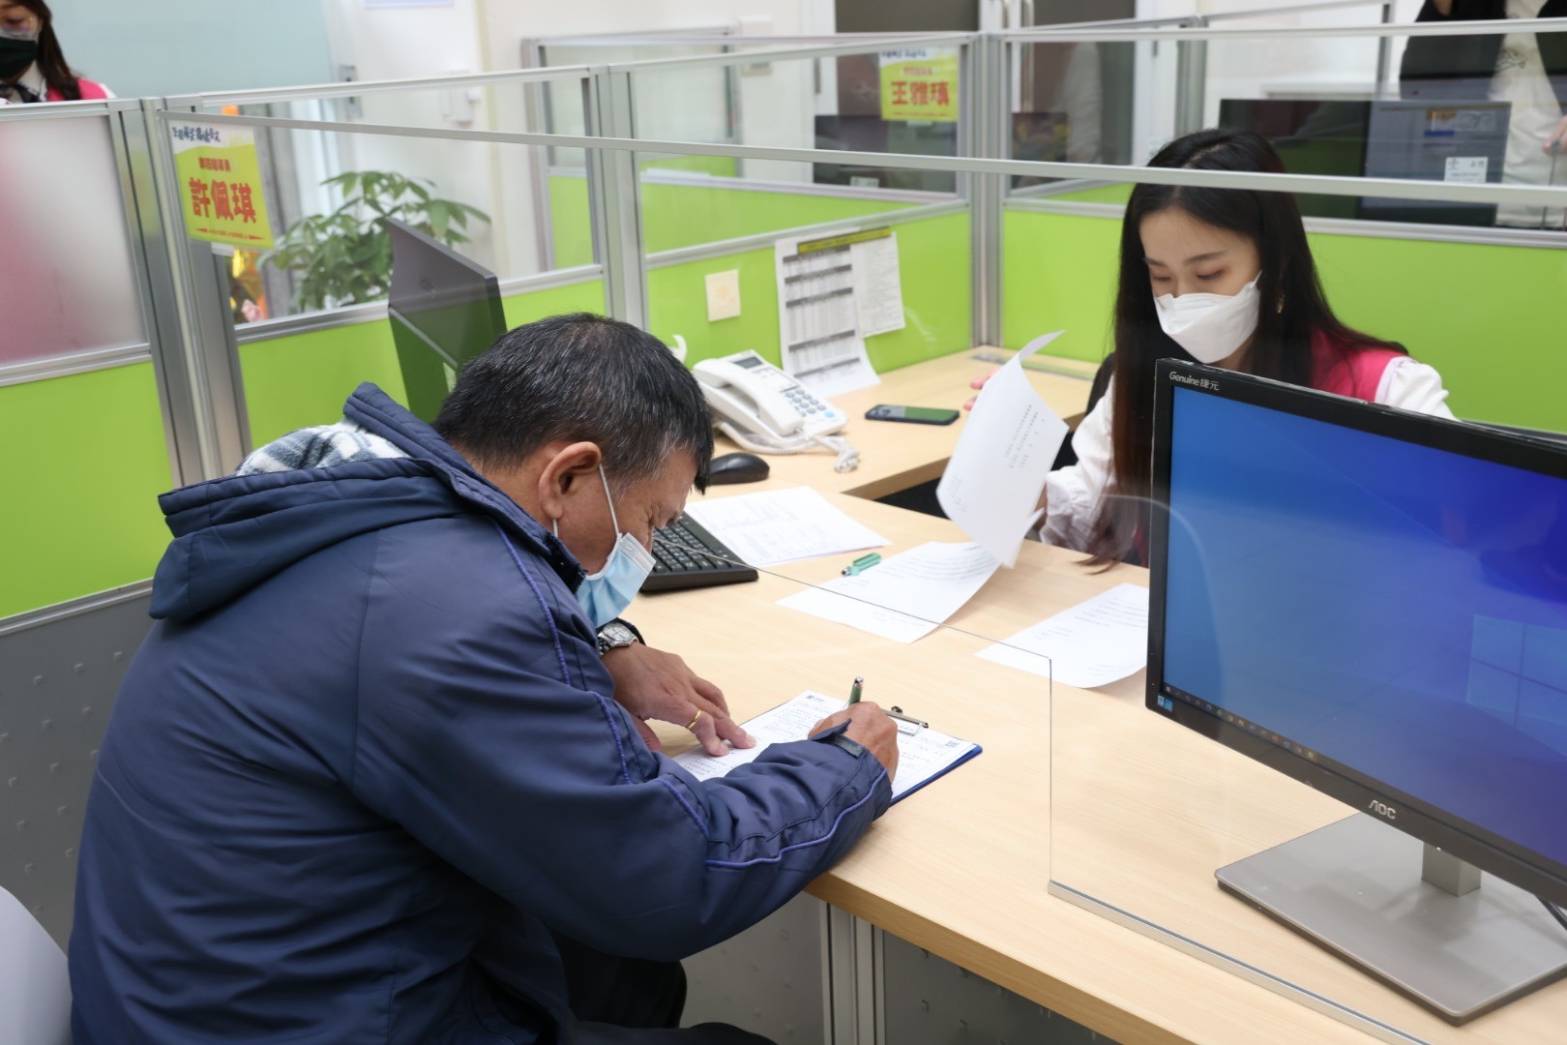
[934, 580]
[777, 526]
[1092, 644]
[992, 484]
[923, 753]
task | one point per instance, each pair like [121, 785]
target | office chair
[35, 990]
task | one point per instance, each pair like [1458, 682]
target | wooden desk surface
[962, 868]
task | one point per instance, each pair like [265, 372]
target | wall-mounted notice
[818, 314]
[220, 185]
[878, 284]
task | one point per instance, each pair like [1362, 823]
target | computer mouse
[736, 468]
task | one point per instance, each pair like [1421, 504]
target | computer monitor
[866, 133]
[1375, 603]
[1435, 141]
[444, 310]
[1312, 136]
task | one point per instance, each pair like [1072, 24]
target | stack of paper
[778, 526]
[905, 597]
[1092, 644]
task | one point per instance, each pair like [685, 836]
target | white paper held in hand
[1095, 643]
[992, 484]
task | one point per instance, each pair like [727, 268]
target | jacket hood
[233, 533]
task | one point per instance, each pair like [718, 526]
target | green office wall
[933, 258]
[676, 216]
[1484, 315]
[302, 379]
[85, 461]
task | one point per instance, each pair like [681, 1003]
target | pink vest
[91, 92]
[1349, 369]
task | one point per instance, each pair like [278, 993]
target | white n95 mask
[605, 595]
[1210, 326]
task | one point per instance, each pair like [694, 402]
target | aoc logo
[1382, 809]
[1196, 382]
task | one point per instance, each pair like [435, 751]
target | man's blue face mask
[606, 594]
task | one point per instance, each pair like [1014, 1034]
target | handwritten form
[1092, 644]
[765, 529]
[932, 581]
[923, 754]
[992, 484]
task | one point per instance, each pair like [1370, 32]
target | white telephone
[766, 411]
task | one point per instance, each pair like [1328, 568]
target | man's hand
[870, 728]
[650, 683]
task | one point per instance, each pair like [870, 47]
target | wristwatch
[616, 635]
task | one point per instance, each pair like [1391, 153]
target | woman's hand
[1556, 141]
[977, 383]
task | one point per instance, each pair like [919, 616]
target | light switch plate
[723, 295]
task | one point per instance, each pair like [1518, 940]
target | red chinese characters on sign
[919, 85]
[223, 200]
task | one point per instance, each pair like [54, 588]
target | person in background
[1528, 70]
[379, 771]
[1217, 276]
[32, 66]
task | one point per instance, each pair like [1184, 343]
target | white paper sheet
[922, 753]
[1092, 644]
[778, 526]
[819, 328]
[878, 285]
[992, 484]
[932, 582]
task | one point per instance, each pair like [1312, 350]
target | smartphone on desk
[914, 415]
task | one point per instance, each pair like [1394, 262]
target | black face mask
[16, 55]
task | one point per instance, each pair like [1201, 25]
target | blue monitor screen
[1395, 609]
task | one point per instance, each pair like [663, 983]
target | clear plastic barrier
[901, 97]
[63, 224]
[1334, 100]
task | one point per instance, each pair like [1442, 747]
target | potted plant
[345, 257]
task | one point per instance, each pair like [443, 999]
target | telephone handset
[758, 399]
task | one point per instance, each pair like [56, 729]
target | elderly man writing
[374, 777]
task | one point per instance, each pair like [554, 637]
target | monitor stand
[1437, 936]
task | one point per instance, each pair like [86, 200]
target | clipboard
[924, 754]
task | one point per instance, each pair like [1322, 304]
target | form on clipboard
[923, 753]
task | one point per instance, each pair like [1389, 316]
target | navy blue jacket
[367, 761]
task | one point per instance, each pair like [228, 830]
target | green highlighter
[861, 564]
[854, 690]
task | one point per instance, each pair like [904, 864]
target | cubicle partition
[1393, 267]
[674, 226]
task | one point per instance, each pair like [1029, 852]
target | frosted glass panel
[66, 281]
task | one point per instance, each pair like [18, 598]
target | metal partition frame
[190, 380]
[129, 132]
[210, 341]
[975, 79]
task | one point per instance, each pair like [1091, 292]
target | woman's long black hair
[1293, 309]
[51, 59]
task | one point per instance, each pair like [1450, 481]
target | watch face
[616, 634]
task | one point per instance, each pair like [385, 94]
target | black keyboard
[685, 555]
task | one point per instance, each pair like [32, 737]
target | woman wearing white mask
[1225, 277]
